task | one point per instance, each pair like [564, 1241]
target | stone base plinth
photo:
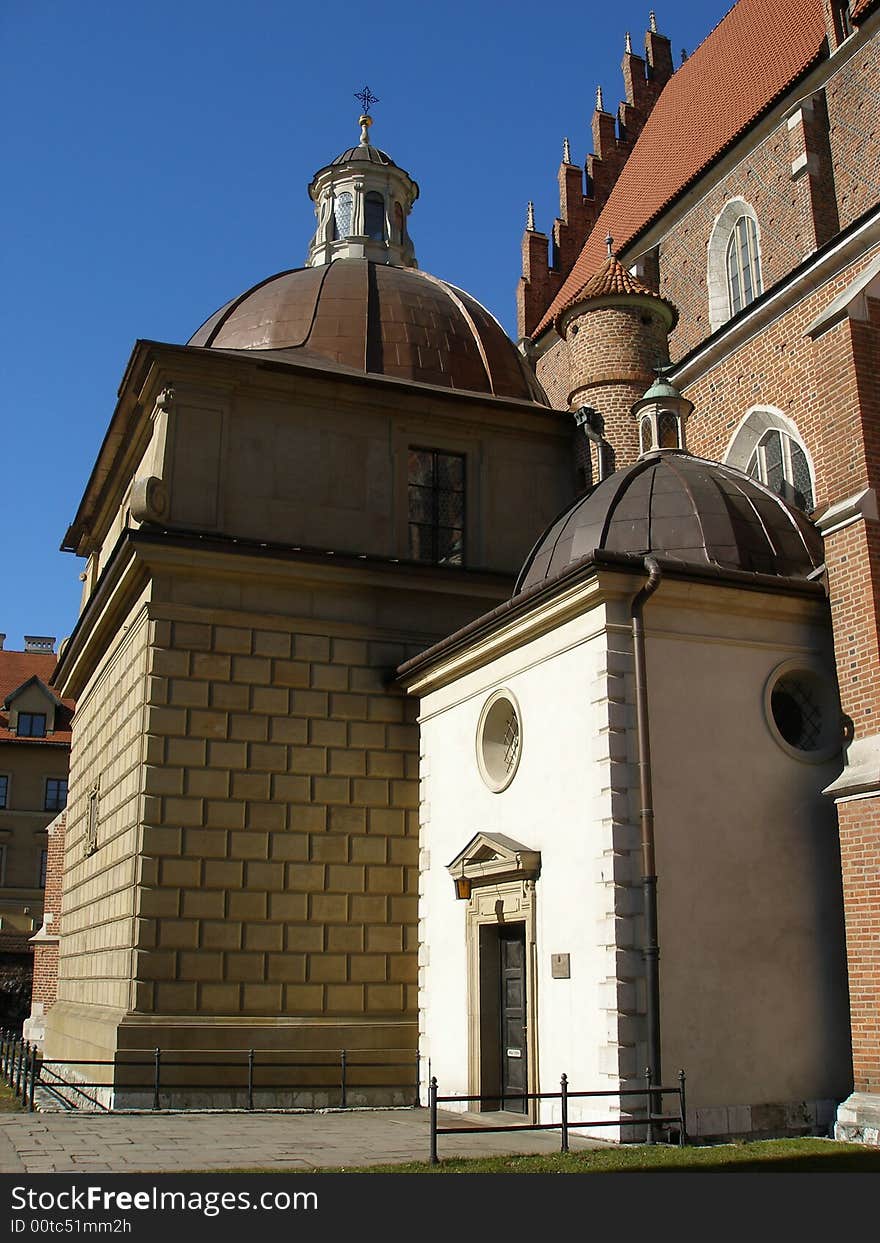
[858, 1119]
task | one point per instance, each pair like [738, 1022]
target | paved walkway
[168, 1143]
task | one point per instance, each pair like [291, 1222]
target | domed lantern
[661, 415]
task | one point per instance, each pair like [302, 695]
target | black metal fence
[342, 1078]
[653, 1117]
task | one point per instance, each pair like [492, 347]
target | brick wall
[45, 987]
[860, 857]
[281, 835]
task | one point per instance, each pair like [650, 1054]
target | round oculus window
[499, 741]
[801, 704]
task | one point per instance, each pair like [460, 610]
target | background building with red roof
[34, 761]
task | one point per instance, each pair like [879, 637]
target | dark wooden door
[512, 1013]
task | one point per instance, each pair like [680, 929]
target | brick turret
[580, 202]
[617, 332]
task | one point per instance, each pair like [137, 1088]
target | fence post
[563, 1086]
[3, 1043]
[418, 1074]
[344, 1100]
[33, 1078]
[250, 1085]
[19, 1069]
[157, 1058]
[649, 1081]
[432, 1112]
[682, 1106]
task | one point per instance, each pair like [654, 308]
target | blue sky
[157, 156]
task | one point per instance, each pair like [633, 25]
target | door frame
[511, 902]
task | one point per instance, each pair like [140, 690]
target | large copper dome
[377, 318]
[684, 508]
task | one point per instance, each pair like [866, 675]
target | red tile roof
[613, 278]
[16, 668]
[751, 57]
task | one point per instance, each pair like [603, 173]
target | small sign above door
[560, 966]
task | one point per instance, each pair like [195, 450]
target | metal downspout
[651, 948]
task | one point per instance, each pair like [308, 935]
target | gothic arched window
[767, 446]
[743, 269]
[342, 216]
[374, 216]
[734, 262]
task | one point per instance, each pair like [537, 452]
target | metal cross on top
[367, 99]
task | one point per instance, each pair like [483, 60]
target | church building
[514, 704]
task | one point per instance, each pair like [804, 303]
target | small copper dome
[683, 508]
[376, 318]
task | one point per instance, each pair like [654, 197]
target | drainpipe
[651, 948]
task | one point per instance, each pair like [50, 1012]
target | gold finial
[365, 121]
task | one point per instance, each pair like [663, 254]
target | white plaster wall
[549, 806]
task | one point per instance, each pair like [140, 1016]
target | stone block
[368, 908]
[176, 998]
[367, 681]
[384, 998]
[207, 783]
[271, 700]
[305, 937]
[385, 764]
[303, 998]
[178, 933]
[289, 729]
[268, 876]
[182, 811]
[255, 670]
[227, 755]
[201, 965]
[157, 965]
[403, 850]
[248, 726]
[180, 872]
[311, 647]
[229, 697]
[388, 880]
[192, 635]
[331, 789]
[249, 844]
[228, 874]
[348, 763]
[210, 666]
[287, 906]
[231, 639]
[271, 816]
[326, 968]
[287, 968]
[306, 877]
[308, 759]
[348, 707]
[344, 940]
[327, 733]
[385, 940]
[163, 780]
[329, 677]
[388, 708]
[207, 723]
[245, 966]
[366, 734]
[157, 902]
[291, 789]
[368, 849]
[347, 819]
[219, 998]
[264, 937]
[348, 651]
[369, 968]
[404, 910]
[329, 908]
[292, 673]
[387, 821]
[271, 643]
[251, 785]
[369, 792]
[344, 999]
[221, 935]
[345, 878]
[184, 693]
[166, 721]
[403, 968]
[309, 703]
[224, 814]
[290, 845]
[328, 848]
[262, 998]
[170, 663]
[203, 904]
[246, 905]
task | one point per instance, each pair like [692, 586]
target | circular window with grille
[800, 701]
[499, 740]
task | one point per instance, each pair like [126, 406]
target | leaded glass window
[797, 712]
[374, 216]
[779, 462]
[436, 487]
[667, 431]
[743, 268]
[342, 216]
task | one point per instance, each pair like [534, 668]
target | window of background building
[56, 794]
[31, 725]
[2, 865]
[44, 861]
[843, 20]
[436, 506]
[743, 268]
[374, 216]
[4, 791]
[342, 216]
